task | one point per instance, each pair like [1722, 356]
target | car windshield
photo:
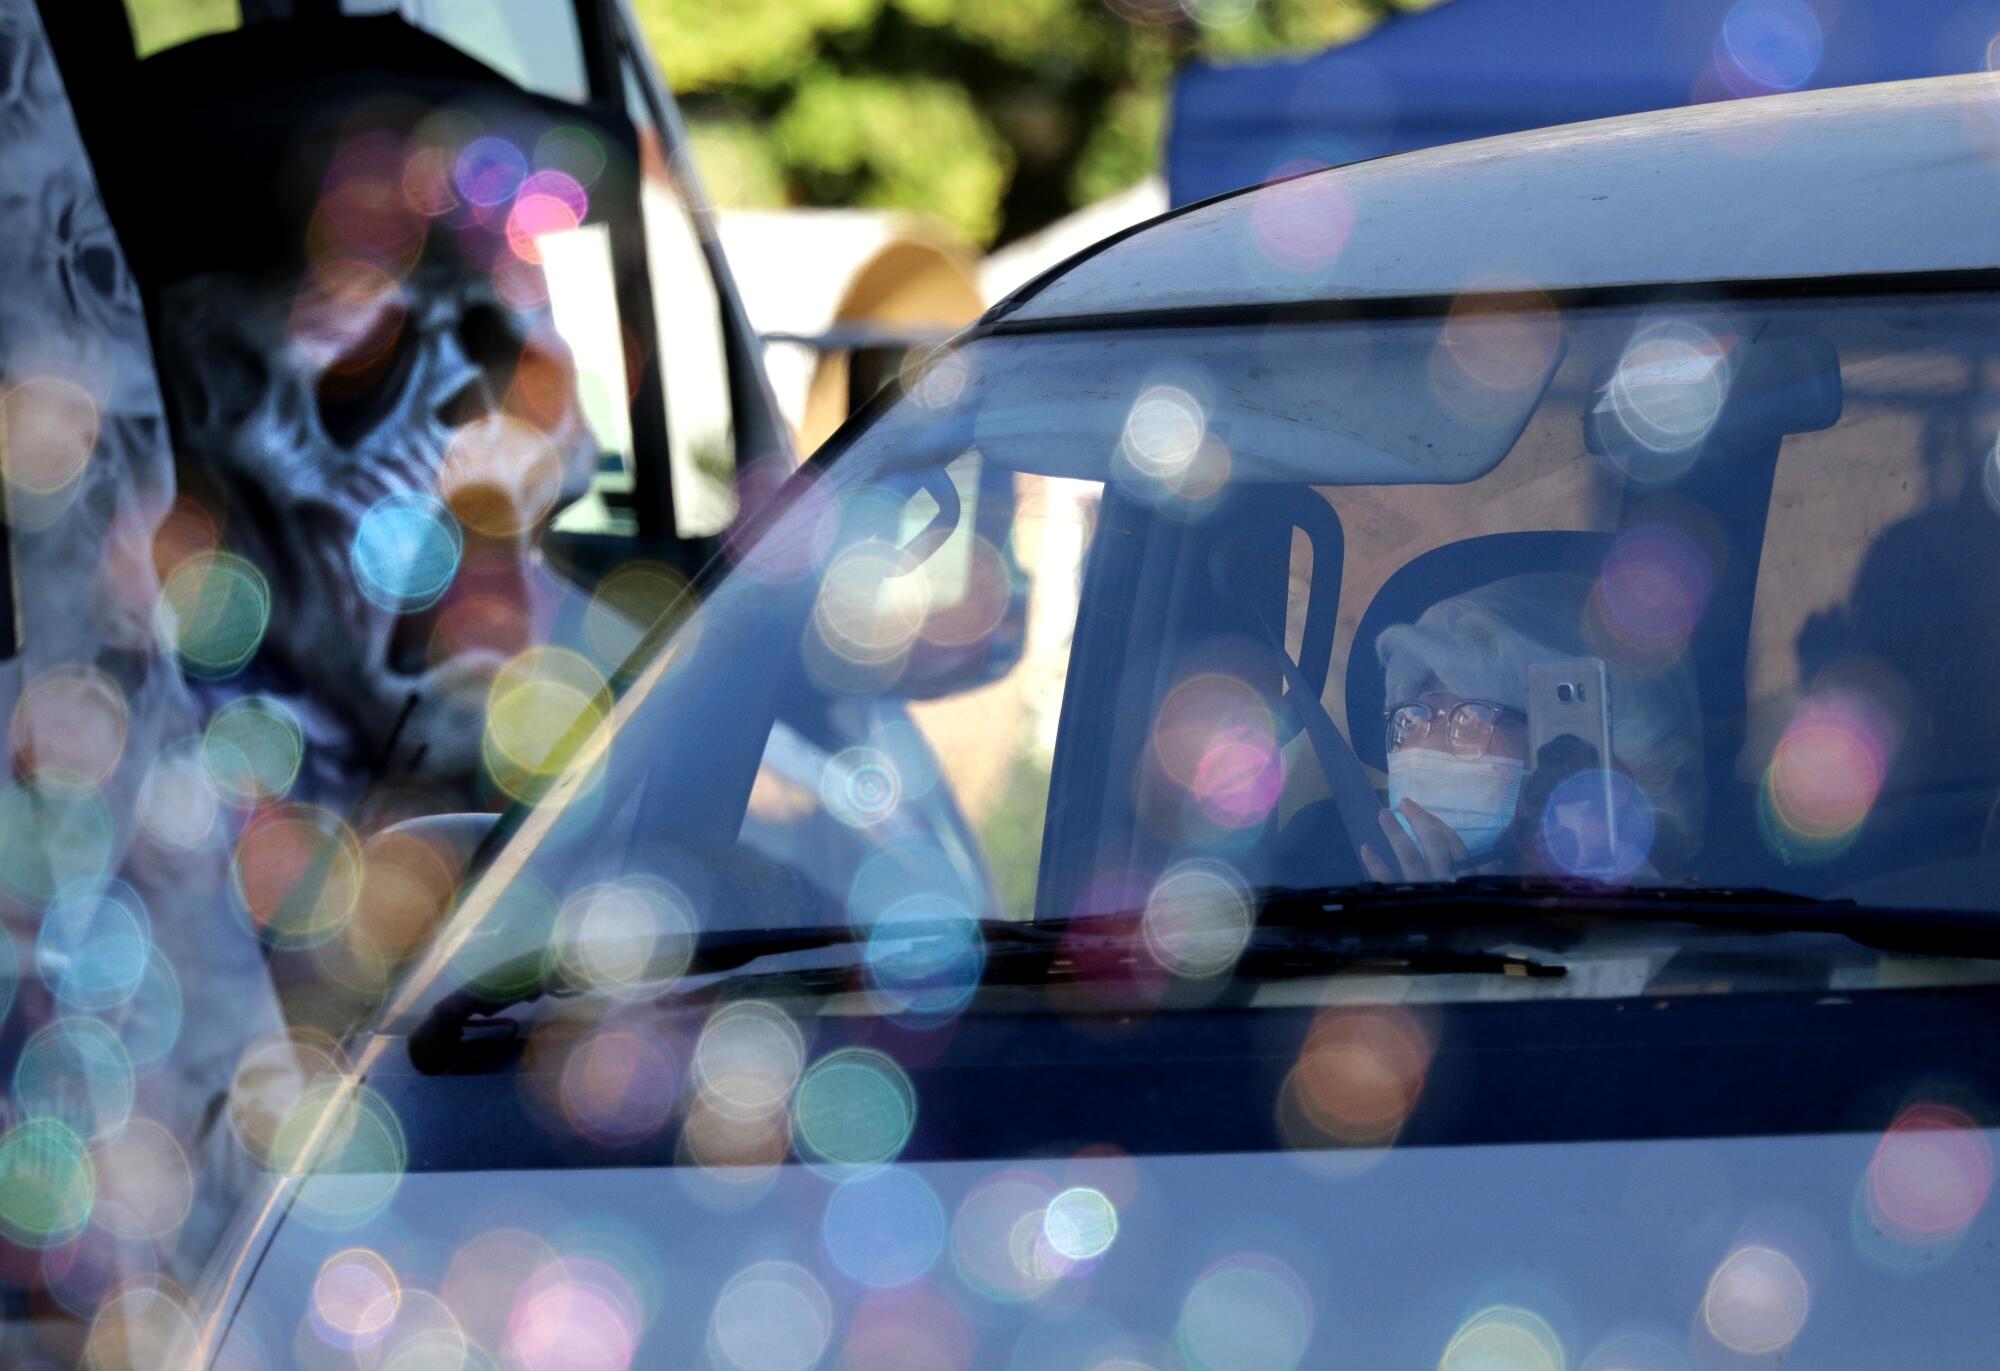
[1106, 617]
[1063, 994]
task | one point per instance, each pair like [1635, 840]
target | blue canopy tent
[1471, 68]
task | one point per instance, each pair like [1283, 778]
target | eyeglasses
[1468, 724]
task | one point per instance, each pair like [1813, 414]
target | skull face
[303, 405]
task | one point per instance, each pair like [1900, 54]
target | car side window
[533, 41]
[161, 24]
[941, 770]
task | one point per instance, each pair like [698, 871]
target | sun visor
[1384, 402]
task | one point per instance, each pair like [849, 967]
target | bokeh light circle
[1775, 43]
[1756, 1302]
[1502, 335]
[489, 171]
[572, 1315]
[549, 202]
[147, 1323]
[349, 1144]
[884, 1228]
[771, 1316]
[146, 1186]
[1195, 713]
[426, 1336]
[50, 840]
[1246, 1313]
[918, 1328]
[736, 1153]
[272, 1074]
[213, 611]
[47, 1183]
[855, 1107]
[1665, 396]
[355, 1297]
[405, 551]
[627, 605]
[541, 704]
[68, 729]
[151, 1022]
[925, 956]
[178, 805]
[1240, 776]
[1652, 592]
[969, 603]
[574, 150]
[936, 378]
[48, 429]
[639, 930]
[1360, 1073]
[861, 787]
[347, 317]
[408, 882]
[94, 945]
[900, 865]
[77, 1072]
[1573, 825]
[297, 871]
[1637, 1350]
[1301, 227]
[427, 182]
[486, 1276]
[871, 607]
[1931, 1174]
[619, 1085]
[522, 286]
[252, 750]
[1163, 431]
[501, 475]
[997, 1239]
[10, 971]
[1504, 1338]
[1197, 919]
[1826, 773]
[1081, 1223]
[749, 1059]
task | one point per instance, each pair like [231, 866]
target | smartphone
[1571, 698]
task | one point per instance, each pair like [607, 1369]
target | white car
[1504, 753]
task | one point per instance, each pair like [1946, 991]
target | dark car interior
[1792, 387]
[245, 96]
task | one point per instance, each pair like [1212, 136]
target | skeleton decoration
[382, 435]
[114, 1087]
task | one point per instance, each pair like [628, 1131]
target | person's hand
[1435, 854]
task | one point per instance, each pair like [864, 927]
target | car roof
[1885, 179]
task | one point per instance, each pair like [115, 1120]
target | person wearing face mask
[1464, 795]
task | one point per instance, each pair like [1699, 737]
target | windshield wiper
[440, 1043]
[1485, 901]
[1404, 929]
[462, 1033]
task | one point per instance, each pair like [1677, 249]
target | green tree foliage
[998, 116]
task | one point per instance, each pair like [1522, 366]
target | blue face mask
[1474, 797]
